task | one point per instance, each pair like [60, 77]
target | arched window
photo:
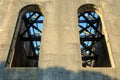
[24, 51]
[92, 40]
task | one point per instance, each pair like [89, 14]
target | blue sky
[35, 32]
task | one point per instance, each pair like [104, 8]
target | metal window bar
[32, 28]
[89, 36]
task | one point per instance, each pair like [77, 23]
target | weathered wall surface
[60, 54]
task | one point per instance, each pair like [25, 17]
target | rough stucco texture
[60, 54]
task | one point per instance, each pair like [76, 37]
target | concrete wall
[60, 57]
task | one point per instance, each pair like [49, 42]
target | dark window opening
[92, 41]
[27, 47]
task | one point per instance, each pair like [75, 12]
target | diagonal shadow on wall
[53, 73]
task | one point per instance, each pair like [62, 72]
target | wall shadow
[58, 73]
[53, 73]
[1, 69]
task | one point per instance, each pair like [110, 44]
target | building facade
[59, 40]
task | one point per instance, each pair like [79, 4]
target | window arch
[92, 39]
[24, 50]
